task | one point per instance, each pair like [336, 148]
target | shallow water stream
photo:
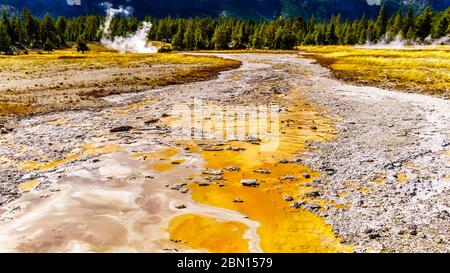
[142, 190]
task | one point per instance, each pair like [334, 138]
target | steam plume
[398, 42]
[132, 43]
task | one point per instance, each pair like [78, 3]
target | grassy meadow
[41, 82]
[423, 70]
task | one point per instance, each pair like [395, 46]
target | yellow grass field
[65, 79]
[423, 70]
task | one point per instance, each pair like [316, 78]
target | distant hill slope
[255, 9]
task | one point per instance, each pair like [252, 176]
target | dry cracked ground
[348, 169]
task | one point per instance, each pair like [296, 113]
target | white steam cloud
[132, 43]
[385, 43]
[398, 42]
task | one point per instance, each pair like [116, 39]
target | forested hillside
[26, 31]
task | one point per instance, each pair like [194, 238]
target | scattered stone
[237, 200]
[249, 182]
[152, 121]
[184, 191]
[203, 183]
[284, 161]
[313, 194]
[317, 180]
[180, 207]
[288, 177]
[212, 172]
[288, 198]
[214, 177]
[235, 149]
[298, 205]
[306, 175]
[277, 90]
[444, 215]
[313, 207]
[178, 186]
[253, 139]
[262, 171]
[412, 229]
[212, 149]
[233, 169]
[121, 129]
[330, 171]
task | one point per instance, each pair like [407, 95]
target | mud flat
[326, 185]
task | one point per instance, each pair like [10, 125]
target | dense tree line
[27, 31]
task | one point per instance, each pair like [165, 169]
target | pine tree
[398, 23]
[8, 26]
[440, 27]
[381, 23]
[362, 37]
[408, 22]
[370, 33]
[48, 46]
[411, 35]
[178, 39]
[331, 37]
[199, 38]
[222, 37]
[189, 37]
[81, 45]
[236, 36]
[47, 29]
[5, 40]
[423, 23]
[256, 39]
[61, 25]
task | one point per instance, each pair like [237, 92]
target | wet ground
[127, 178]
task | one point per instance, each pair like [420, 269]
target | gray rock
[152, 121]
[235, 149]
[212, 172]
[288, 177]
[233, 169]
[249, 182]
[252, 139]
[180, 207]
[121, 129]
[288, 198]
[313, 194]
[262, 171]
[298, 205]
[313, 207]
[214, 177]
